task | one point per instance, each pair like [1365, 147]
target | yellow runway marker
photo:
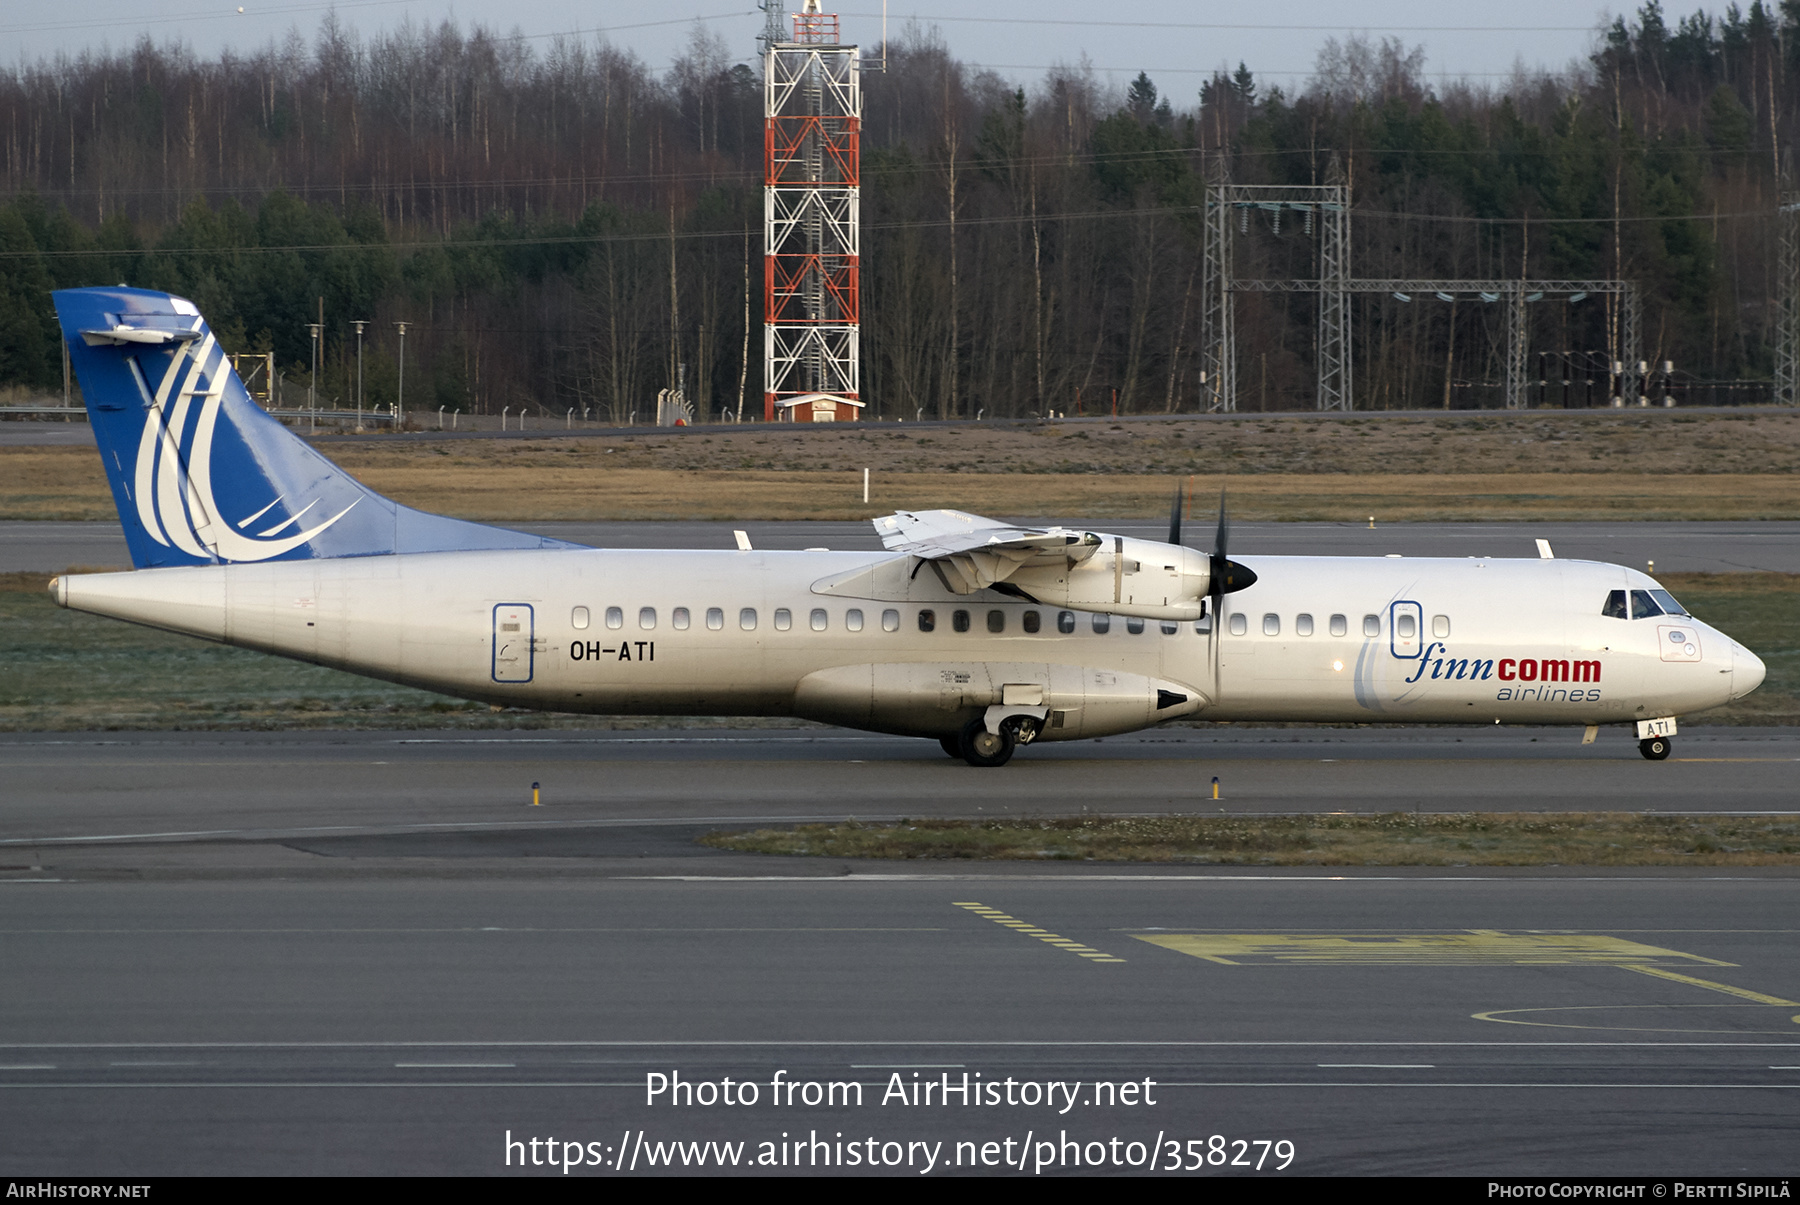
[1470, 948]
[1030, 930]
[1637, 1018]
[1739, 992]
[1478, 947]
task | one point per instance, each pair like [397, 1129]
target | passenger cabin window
[927, 621]
[890, 621]
[1339, 625]
[1102, 624]
[1440, 626]
[1170, 627]
[747, 619]
[646, 617]
[1065, 622]
[1032, 621]
[817, 619]
[1240, 623]
[1135, 625]
[1371, 625]
[1303, 625]
[996, 621]
[784, 619]
[615, 617]
[959, 620]
[1271, 625]
[678, 619]
[578, 618]
[853, 620]
[1407, 626]
[1643, 606]
[715, 618]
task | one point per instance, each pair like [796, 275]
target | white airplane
[978, 634]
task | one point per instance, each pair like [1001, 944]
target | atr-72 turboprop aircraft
[981, 635]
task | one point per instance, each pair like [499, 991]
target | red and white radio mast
[812, 146]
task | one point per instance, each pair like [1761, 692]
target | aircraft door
[1405, 627]
[513, 642]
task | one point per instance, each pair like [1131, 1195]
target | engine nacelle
[1124, 576]
[934, 698]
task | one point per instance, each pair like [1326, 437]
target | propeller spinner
[1227, 576]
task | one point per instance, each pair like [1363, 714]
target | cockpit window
[1615, 605]
[1643, 606]
[1667, 600]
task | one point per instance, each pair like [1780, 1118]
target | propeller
[1225, 576]
[1175, 516]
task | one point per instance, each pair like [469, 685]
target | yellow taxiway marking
[1477, 947]
[1030, 930]
[1539, 1018]
[1473, 947]
[1739, 992]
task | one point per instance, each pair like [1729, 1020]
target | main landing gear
[1656, 748]
[979, 747]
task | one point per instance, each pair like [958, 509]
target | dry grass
[1604, 465]
[66, 483]
[1395, 839]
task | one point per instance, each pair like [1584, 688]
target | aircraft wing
[940, 533]
[1054, 565]
[975, 552]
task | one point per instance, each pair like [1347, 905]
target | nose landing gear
[1656, 748]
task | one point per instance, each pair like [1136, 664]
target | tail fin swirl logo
[173, 486]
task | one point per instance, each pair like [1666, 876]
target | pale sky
[1177, 41]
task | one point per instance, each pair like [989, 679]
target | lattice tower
[812, 105]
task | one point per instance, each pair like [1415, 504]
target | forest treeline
[562, 227]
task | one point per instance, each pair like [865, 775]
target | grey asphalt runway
[1722, 547]
[72, 797]
[1445, 1024]
[367, 953]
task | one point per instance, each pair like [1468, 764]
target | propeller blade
[1224, 529]
[1216, 586]
[1175, 517]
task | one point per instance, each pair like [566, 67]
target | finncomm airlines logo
[1536, 675]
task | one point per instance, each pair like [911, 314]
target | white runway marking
[904, 1043]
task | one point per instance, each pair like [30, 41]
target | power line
[663, 236]
[286, 9]
[1346, 27]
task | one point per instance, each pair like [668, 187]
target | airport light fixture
[400, 394]
[359, 324]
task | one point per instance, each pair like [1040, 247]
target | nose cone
[1747, 671]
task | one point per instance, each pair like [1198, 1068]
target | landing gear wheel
[1655, 748]
[980, 747]
[951, 745]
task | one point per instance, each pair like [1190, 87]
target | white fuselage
[838, 637]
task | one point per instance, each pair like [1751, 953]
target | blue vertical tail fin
[200, 473]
